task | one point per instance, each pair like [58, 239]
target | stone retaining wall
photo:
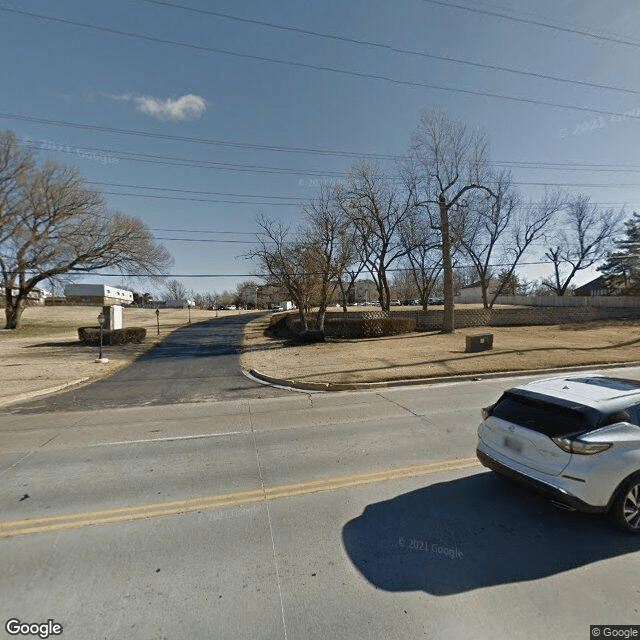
[525, 316]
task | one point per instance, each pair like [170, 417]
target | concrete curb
[281, 382]
[383, 384]
[41, 392]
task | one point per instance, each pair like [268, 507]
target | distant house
[177, 303]
[472, 293]
[97, 294]
[35, 296]
[598, 287]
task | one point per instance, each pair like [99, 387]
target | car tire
[625, 510]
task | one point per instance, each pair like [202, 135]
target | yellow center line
[11, 528]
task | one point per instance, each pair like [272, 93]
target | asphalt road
[199, 362]
[349, 515]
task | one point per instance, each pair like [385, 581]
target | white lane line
[168, 438]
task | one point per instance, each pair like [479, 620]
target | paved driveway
[196, 363]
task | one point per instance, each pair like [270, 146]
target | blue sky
[236, 135]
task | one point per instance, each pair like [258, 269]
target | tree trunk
[448, 324]
[344, 296]
[387, 294]
[322, 307]
[13, 310]
[322, 312]
[303, 317]
[485, 300]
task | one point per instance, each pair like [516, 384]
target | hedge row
[91, 335]
[368, 327]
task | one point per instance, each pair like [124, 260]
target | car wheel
[626, 507]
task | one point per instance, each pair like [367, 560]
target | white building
[36, 296]
[472, 293]
[97, 294]
[178, 303]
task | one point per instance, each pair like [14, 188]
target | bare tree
[286, 263]
[15, 167]
[377, 208]
[511, 284]
[529, 225]
[175, 290]
[424, 255]
[329, 245]
[448, 162]
[349, 277]
[247, 294]
[53, 225]
[403, 283]
[483, 229]
[586, 238]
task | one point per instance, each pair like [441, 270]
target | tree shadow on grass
[476, 532]
[68, 343]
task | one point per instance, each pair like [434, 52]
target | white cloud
[185, 107]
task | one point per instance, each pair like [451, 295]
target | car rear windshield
[554, 420]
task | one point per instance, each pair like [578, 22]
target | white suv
[575, 438]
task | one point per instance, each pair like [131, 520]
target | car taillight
[487, 411]
[579, 446]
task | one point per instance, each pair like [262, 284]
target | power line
[135, 156]
[235, 233]
[568, 166]
[193, 140]
[387, 47]
[182, 198]
[254, 275]
[191, 191]
[299, 200]
[325, 152]
[208, 240]
[537, 23]
[577, 184]
[302, 65]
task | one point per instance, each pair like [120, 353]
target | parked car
[276, 309]
[574, 438]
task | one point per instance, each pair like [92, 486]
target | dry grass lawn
[425, 355]
[45, 353]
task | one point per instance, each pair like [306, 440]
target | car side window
[634, 414]
[619, 416]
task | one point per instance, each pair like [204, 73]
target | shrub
[368, 327]
[283, 327]
[307, 337]
[128, 335]
[91, 335]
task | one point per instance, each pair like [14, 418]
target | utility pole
[448, 321]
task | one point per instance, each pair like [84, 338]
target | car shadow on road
[475, 532]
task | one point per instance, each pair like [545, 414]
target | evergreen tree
[622, 268]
